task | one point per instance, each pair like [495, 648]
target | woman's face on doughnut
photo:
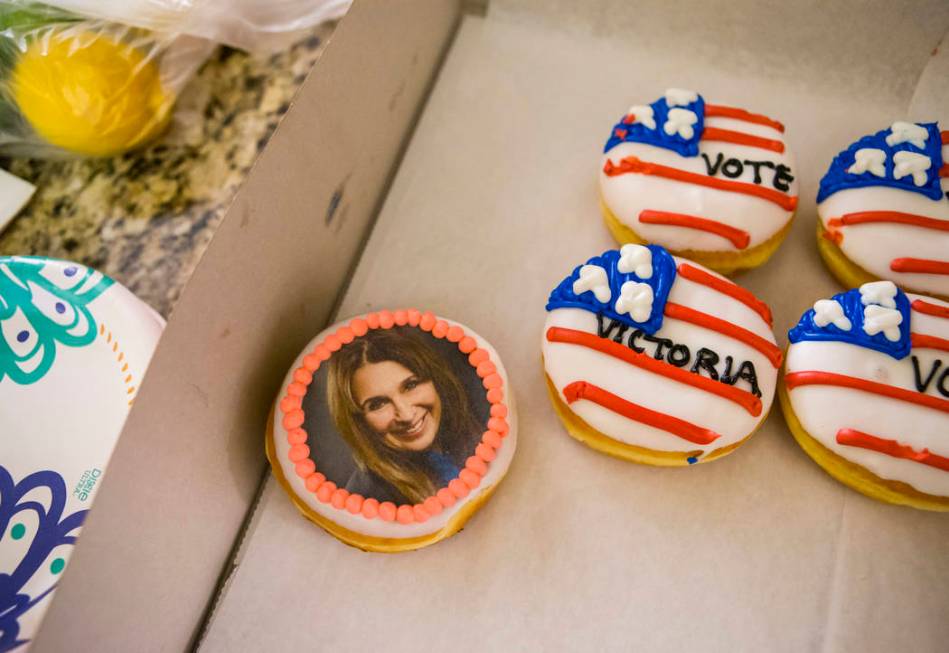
[403, 409]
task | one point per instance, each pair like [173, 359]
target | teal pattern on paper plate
[43, 305]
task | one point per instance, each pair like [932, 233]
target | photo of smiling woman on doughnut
[407, 409]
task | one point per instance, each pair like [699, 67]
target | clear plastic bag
[252, 25]
[99, 77]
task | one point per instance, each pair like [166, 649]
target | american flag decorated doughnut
[708, 181]
[884, 209]
[867, 392]
[656, 359]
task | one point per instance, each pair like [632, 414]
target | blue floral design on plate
[44, 303]
[21, 504]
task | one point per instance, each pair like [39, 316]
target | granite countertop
[145, 218]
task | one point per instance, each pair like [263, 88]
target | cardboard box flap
[494, 202]
[189, 463]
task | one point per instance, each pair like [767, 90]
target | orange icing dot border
[476, 466]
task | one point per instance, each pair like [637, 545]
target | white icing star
[869, 159]
[635, 298]
[829, 311]
[911, 163]
[594, 279]
[636, 259]
[680, 97]
[644, 115]
[878, 292]
[907, 132]
[877, 319]
[680, 122]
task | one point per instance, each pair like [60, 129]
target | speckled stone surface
[146, 218]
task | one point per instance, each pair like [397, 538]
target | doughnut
[656, 359]
[74, 346]
[865, 392]
[709, 182]
[883, 209]
[392, 429]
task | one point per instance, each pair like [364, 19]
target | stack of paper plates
[74, 346]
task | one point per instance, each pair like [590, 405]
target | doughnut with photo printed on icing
[709, 182]
[865, 392]
[661, 361]
[393, 428]
[883, 209]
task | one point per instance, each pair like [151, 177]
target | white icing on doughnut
[593, 278]
[636, 259]
[911, 164]
[873, 246]
[644, 115]
[378, 527]
[869, 159]
[635, 300]
[680, 122]
[882, 293]
[829, 311]
[680, 97]
[886, 320]
[567, 363]
[627, 196]
[907, 132]
[823, 410]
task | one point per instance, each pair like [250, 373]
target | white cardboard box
[493, 203]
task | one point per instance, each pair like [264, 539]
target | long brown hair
[405, 471]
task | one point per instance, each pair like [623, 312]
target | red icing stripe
[944, 170]
[634, 164]
[733, 290]
[686, 314]
[741, 138]
[719, 111]
[797, 379]
[945, 137]
[868, 217]
[919, 266]
[929, 342]
[854, 438]
[928, 308]
[685, 430]
[741, 397]
[738, 237]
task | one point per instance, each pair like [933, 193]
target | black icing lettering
[705, 359]
[679, 355]
[732, 168]
[613, 325]
[941, 386]
[726, 375]
[921, 385]
[756, 165]
[712, 169]
[747, 372]
[783, 178]
[660, 343]
[632, 341]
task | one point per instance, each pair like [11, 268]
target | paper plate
[74, 346]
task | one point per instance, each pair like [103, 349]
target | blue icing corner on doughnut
[873, 161]
[852, 309]
[650, 126]
[598, 286]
